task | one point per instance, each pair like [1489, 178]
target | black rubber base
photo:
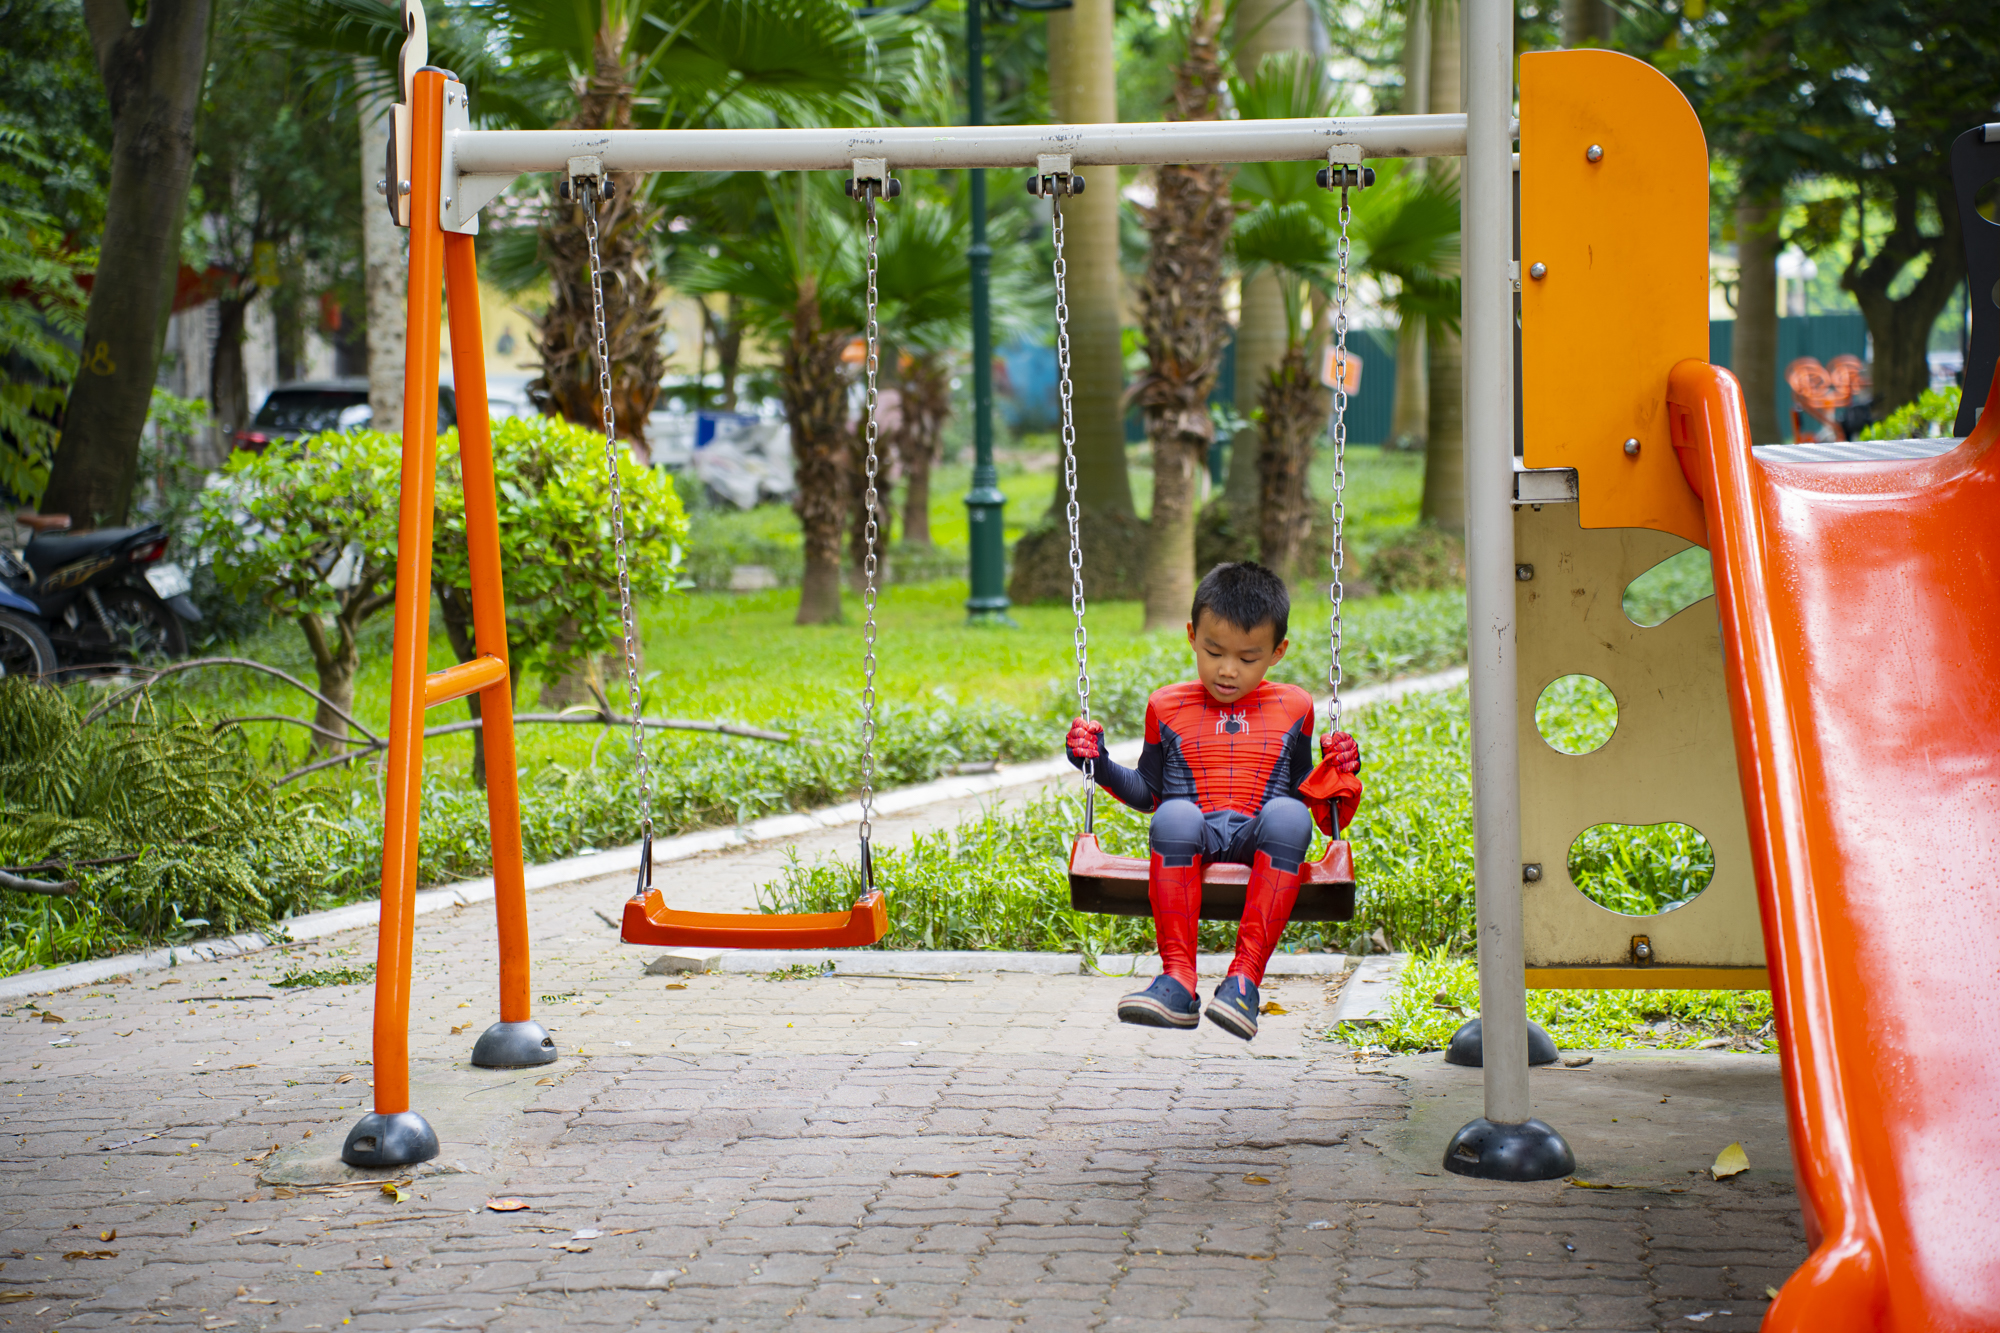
[1467, 1047]
[402, 1139]
[1527, 1151]
[514, 1046]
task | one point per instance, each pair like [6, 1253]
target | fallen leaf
[91, 1254]
[9, 1297]
[1772, 1292]
[1577, 1061]
[506, 1205]
[677, 985]
[395, 1190]
[257, 1300]
[460, 1028]
[1255, 1180]
[1272, 1007]
[345, 1078]
[1731, 1161]
[1712, 1044]
[308, 1134]
[570, 1246]
[544, 1082]
[48, 1017]
[111, 1234]
[282, 1193]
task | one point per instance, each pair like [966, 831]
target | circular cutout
[1576, 714]
[1641, 869]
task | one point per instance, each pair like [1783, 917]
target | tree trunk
[1587, 23]
[1262, 27]
[1444, 450]
[385, 276]
[1444, 442]
[1181, 315]
[1754, 348]
[1410, 427]
[1900, 328]
[335, 661]
[634, 317]
[228, 384]
[816, 408]
[926, 386]
[1294, 408]
[1083, 90]
[152, 74]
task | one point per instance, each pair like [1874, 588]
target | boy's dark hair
[1246, 595]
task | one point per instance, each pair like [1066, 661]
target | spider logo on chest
[1233, 724]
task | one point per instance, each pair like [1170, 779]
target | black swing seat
[1116, 885]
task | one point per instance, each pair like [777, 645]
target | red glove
[1342, 750]
[1085, 739]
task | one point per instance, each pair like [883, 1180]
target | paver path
[756, 1154]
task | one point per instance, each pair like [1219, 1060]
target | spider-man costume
[1233, 783]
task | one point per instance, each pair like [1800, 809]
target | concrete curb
[622, 860]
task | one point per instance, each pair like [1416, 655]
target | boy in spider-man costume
[1228, 776]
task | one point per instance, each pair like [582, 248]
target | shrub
[1930, 417]
[1420, 558]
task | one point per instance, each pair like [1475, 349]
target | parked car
[311, 406]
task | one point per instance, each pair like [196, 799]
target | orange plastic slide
[1860, 605]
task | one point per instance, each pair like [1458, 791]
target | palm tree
[1182, 318]
[794, 281]
[923, 276]
[666, 64]
[1404, 232]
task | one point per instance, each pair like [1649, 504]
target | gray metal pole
[1506, 1144]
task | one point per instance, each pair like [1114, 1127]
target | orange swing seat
[648, 920]
[1116, 885]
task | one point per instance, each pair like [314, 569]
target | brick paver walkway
[741, 1153]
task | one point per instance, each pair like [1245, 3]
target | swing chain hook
[587, 191]
[1057, 183]
[871, 182]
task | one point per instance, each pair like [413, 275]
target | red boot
[1176, 895]
[1267, 907]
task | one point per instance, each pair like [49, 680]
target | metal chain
[1339, 555]
[870, 531]
[587, 195]
[1058, 186]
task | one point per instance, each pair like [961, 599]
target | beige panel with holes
[1671, 758]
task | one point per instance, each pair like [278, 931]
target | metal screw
[1631, 448]
[1531, 873]
[402, 187]
[1594, 153]
[382, 187]
[1524, 573]
[1538, 270]
[1642, 949]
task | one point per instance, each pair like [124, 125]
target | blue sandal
[1234, 1008]
[1164, 1004]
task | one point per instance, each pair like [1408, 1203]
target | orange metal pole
[403, 777]
[489, 620]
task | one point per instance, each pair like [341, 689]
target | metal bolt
[1524, 573]
[402, 187]
[1538, 270]
[1642, 950]
[382, 186]
[1631, 448]
[1594, 153]
[1531, 873]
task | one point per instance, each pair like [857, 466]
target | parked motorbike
[90, 598]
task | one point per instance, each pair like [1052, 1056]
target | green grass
[1439, 991]
[326, 976]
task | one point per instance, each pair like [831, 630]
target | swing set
[441, 173]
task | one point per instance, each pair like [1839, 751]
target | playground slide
[1860, 605]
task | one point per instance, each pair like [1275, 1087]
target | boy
[1227, 775]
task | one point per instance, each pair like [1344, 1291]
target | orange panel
[1858, 634]
[1625, 293]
